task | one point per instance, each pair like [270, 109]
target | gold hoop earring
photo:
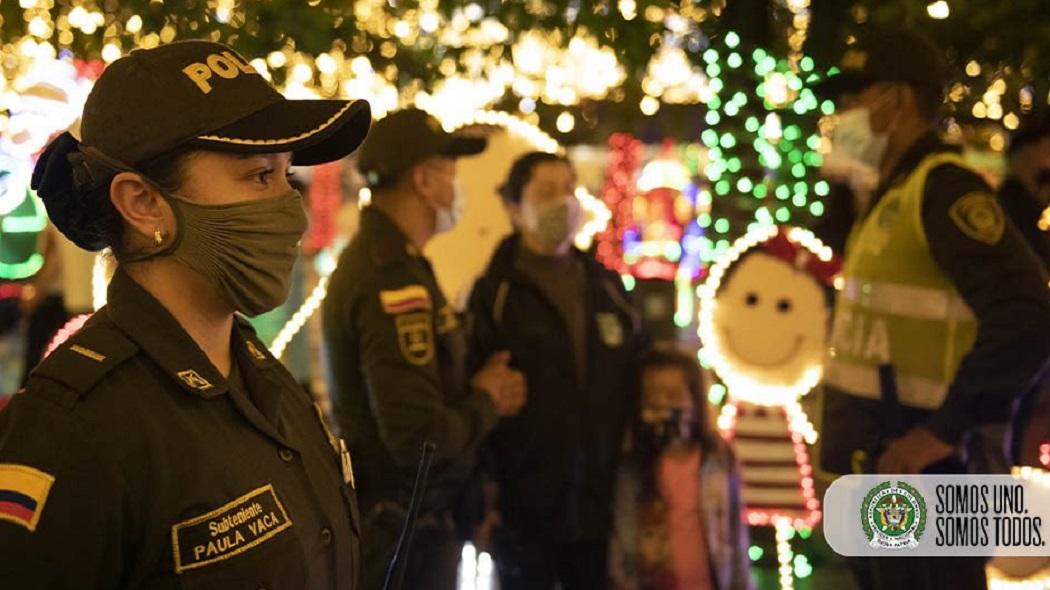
[158, 238]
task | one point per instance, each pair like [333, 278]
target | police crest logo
[23, 492]
[610, 329]
[893, 517]
[229, 530]
[979, 216]
[415, 336]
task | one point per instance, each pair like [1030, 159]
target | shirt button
[326, 536]
[286, 455]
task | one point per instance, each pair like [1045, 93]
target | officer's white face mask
[856, 151]
[448, 217]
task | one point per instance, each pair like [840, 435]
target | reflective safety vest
[897, 306]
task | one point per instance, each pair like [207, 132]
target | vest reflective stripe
[907, 300]
[897, 306]
[863, 381]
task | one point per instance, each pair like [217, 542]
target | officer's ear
[145, 211]
[513, 212]
[426, 181]
[419, 180]
[883, 101]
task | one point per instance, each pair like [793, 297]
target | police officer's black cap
[896, 55]
[203, 94]
[190, 94]
[405, 138]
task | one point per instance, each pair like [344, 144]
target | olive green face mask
[245, 249]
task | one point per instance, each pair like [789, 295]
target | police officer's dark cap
[204, 94]
[887, 56]
[405, 138]
[189, 94]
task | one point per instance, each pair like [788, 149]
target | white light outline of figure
[764, 394]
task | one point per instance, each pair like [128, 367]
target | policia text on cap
[162, 446]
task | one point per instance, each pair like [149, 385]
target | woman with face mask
[678, 508]
[569, 327]
[162, 446]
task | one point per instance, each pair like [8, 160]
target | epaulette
[83, 360]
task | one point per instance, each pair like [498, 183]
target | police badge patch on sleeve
[415, 336]
[979, 216]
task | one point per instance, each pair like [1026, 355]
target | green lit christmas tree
[763, 137]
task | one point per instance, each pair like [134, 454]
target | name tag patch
[234, 528]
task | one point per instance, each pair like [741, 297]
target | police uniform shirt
[130, 462]
[999, 277]
[397, 353]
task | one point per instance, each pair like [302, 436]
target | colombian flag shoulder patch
[406, 299]
[23, 491]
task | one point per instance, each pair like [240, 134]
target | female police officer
[162, 446]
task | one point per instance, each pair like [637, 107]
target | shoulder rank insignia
[409, 298]
[979, 216]
[415, 336]
[254, 351]
[23, 491]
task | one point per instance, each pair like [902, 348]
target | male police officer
[938, 285]
[397, 351]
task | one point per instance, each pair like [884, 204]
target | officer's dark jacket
[555, 462]
[162, 474]
[1005, 286]
[396, 353]
[1025, 211]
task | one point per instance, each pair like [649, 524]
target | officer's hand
[491, 377]
[913, 452]
[513, 393]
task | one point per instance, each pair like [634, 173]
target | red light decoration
[625, 156]
[65, 332]
[325, 197]
[775, 467]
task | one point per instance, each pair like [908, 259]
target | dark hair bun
[72, 210]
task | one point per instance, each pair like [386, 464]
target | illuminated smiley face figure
[770, 318]
[763, 325]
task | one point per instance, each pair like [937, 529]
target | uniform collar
[926, 145]
[389, 242]
[160, 336]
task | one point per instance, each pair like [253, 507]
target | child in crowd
[678, 510]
